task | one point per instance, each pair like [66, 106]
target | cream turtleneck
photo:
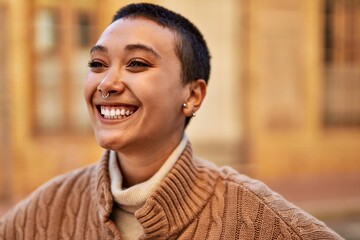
[128, 200]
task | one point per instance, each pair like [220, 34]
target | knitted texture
[196, 200]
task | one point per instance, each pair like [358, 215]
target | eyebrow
[129, 48]
[142, 47]
[98, 48]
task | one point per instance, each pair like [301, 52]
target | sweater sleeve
[54, 206]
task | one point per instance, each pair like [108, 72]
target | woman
[148, 76]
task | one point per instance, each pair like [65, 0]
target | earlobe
[197, 93]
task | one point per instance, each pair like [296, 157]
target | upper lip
[116, 104]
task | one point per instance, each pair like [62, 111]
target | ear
[197, 93]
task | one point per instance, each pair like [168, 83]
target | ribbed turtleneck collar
[180, 196]
[132, 198]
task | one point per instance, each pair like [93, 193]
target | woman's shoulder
[229, 176]
[76, 176]
[54, 193]
[258, 204]
[65, 184]
[66, 200]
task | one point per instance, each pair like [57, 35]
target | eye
[137, 66]
[96, 66]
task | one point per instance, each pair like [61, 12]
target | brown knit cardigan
[196, 200]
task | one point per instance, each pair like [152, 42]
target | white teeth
[115, 112]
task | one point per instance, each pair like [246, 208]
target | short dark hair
[190, 46]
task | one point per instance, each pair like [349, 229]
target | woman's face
[134, 60]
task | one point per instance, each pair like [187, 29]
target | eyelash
[136, 63]
[95, 64]
[133, 65]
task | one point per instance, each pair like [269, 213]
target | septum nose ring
[105, 95]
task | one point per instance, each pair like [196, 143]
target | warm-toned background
[283, 104]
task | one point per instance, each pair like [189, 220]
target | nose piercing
[105, 95]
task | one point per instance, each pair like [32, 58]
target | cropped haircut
[190, 46]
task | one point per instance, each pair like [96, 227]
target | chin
[107, 142]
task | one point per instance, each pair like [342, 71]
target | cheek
[90, 86]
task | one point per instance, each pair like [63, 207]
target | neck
[139, 166]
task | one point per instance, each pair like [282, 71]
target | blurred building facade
[283, 100]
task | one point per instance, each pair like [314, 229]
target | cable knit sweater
[196, 200]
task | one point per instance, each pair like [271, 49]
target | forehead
[139, 30]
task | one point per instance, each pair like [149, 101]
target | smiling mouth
[116, 112]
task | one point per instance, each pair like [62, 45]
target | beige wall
[285, 84]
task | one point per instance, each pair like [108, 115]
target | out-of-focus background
[283, 103]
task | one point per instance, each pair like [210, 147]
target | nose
[111, 84]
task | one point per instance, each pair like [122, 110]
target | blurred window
[342, 63]
[62, 38]
[47, 71]
[84, 30]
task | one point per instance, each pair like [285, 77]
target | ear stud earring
[184, 105]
